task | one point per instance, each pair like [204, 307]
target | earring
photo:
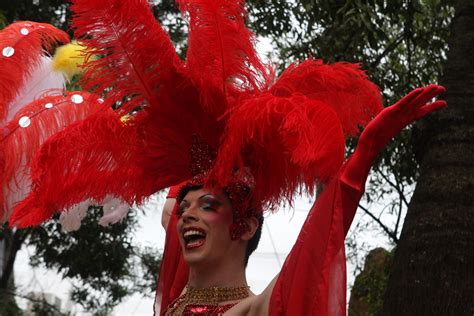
[238, 228]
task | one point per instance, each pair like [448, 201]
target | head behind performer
[213, 228]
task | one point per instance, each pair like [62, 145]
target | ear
[252, 224]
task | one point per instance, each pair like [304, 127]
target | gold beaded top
[207, 296]
[215, 295]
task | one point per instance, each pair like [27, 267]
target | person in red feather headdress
[312, 280]
[242, 140]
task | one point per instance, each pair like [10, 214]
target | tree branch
[33, 300]
[384, 227]
[390, 48]
[399, 215]
[395, 186]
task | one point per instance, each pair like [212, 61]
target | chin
[194, 256]
[192, 260]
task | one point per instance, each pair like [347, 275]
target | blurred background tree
[55, 12]
[102, 263]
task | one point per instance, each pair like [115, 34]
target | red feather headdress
[26, 74]
[22, 48]
[287, 133]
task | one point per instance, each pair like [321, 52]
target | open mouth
[194, 238]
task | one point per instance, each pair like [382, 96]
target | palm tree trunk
[433, 268]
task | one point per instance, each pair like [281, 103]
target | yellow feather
[68, 58]
[124, 119]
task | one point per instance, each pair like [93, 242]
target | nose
[190, 214]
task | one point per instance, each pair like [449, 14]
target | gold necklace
[207, 296]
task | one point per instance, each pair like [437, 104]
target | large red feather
[137, 53]
[27, 131]
[343, 86]
[288, 136]
[24, 43]
[285, 142]
[95, 158]
[221, 56]
[171, 127]
[87, 160]
[129, 157]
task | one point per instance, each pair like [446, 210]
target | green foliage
[167, 13]
[401, 44]
[3, 20]
[100, 247]
[74, 83]
[102, 262]
[55, 12]
[148, 268]
[367, 294]
[8, 305]
[43, 308]
[391, 38]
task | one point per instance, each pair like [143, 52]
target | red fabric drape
[173, 271]
[313, 278]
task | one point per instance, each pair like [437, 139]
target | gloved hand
[388, 123]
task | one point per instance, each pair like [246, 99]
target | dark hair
[185, 189]
[253, 242]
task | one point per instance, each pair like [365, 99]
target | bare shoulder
[256, 305]
[242, 308]
[251, 306]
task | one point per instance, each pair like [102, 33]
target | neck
[227, 274]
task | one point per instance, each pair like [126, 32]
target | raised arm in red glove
[385, 126]
[313, 278]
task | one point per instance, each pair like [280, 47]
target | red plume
[284, 142]
[129, 158]
[90, 159]
[343, 86]
[138, 55]
[22, 45]
[288, 136]
[27, 131]
[221, 57]
[171, 127]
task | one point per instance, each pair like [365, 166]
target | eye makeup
[208, 201]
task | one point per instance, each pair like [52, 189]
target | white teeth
[193, 232]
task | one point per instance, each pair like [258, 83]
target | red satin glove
[388, 123]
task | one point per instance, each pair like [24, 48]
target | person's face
[203, 227]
